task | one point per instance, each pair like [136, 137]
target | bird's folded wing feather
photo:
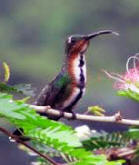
[50, 92]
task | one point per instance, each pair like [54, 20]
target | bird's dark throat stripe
[82, 76]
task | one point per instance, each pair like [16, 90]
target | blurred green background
[32, 36]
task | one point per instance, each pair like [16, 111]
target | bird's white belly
[72, 97]
[79, 79]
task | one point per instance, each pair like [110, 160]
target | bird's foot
[73, 116]
[61, 114]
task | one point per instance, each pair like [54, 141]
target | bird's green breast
[63, 80]
[72, 83]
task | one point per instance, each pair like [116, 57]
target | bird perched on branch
[64, 92]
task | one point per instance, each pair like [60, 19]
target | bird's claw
[73, 117]
[61, 114]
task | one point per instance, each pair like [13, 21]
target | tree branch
[125, 153]
[116, 118]
[18, 140]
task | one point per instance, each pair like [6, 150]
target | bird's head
[80, 43]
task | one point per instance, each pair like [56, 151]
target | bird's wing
[50, 93]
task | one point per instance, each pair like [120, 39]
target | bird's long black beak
[92, 35]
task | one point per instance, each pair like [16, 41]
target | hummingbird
[68, 87]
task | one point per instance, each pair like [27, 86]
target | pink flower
[130, 79]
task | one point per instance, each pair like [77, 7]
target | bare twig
[116, 118]
[130, 152]
[117, 153]
[18, 140]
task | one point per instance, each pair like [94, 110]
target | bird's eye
[71, 40]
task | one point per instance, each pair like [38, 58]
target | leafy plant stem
[17, 140]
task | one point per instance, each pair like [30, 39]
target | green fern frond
[50, 133]
[106, 140]
[133, 133]
[24, 89]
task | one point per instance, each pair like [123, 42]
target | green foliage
[22, 116]
[106, 140]
[50, 133]
[133, 133]
[129, 94]
[96, 110]
[7, 88]
[7, 71]
[24, 89]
